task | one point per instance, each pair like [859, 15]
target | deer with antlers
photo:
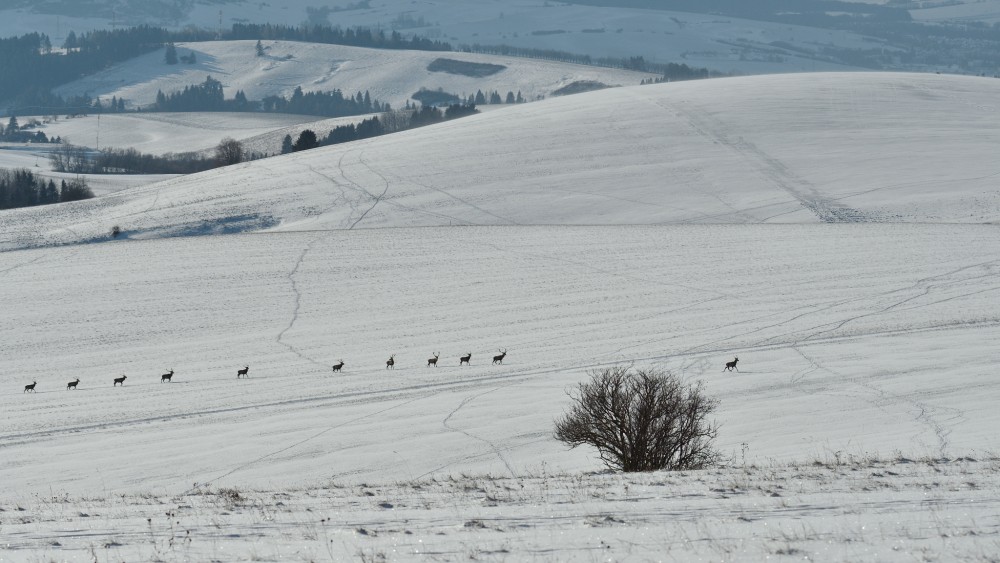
[465, 359]
[433, 361]
[167, 377]
[245, 372]
[730, 366]
[119, 381]
[499, 359]
[391, 362]
[30, 387]
[338, 367]
[72, 384]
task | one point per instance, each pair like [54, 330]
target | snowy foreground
[827, 510]
[857, 343]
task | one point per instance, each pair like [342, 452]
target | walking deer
[465, 359]
[167, 377]
[243, 372]
[434, 361]
[30, 387]
[338, 367]
[72, 384]
[119, 381]
[730, 366]
[499, 359]
[391, 362]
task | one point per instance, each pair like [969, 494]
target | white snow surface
[860, 426]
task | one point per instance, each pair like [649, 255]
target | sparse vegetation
[641, 420]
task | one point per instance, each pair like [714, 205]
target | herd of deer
[389, 364]
[462, 360]
[167, 377]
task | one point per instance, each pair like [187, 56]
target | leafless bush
[641, 420]
[229, 151]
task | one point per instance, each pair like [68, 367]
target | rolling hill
[778, 149]
[391, 76]
[833, 231]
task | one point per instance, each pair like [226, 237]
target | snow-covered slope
[857, 342]
[162, 133]
[791, 148]
[388, 75]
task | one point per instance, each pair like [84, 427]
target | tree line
[674, 71]
[22, 188]
[208, 96]
[390, 122]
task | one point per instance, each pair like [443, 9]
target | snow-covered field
[861, 425]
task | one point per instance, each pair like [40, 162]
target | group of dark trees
[31, 69]
[390, 122]
[208, 96]
[80, 160]
[14, 133]
[441, 98]
[22, 188]
[355, 37]
[170, 56]
[672, 70]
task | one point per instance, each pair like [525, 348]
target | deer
[465, 359]
[338, 367]
[243, 372]
[167, 377]
[499, 359]
[119, 381]
[72, 384]
[730, 366]
[433, 361]
[391, 362]
[30, 387]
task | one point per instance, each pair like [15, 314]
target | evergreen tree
[307, 140]
[260, 49]
[170, 56]
[286, 144]
[480, 98]
[71, 41]
[510, 97]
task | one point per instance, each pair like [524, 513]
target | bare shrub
[229, 151]
[641, 420]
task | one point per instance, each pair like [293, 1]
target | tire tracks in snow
[768, 167]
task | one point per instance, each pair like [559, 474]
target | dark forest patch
[464, 68]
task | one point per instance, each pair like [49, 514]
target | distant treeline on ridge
[32, 65]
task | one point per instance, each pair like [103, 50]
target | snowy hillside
[389, 75]
[825, 229]
[780, 149]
